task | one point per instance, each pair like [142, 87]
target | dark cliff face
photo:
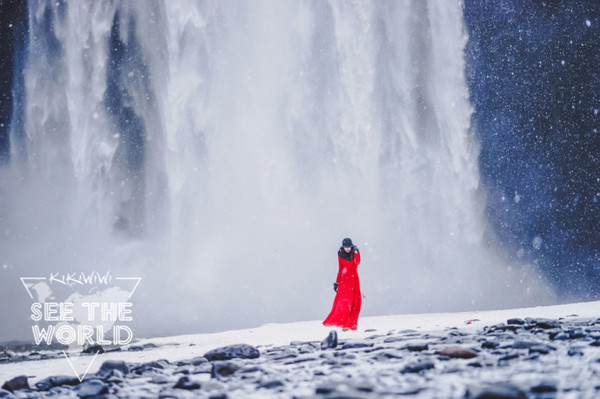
[534, 80]
[13, 43]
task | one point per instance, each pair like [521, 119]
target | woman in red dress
[346, 305]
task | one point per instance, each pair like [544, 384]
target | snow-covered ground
[188, 346]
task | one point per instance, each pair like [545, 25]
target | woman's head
[347, 244]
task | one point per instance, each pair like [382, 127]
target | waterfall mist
[221, 151]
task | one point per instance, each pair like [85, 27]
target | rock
[457, 352]
[306, 349]
[301, 360]
[508, 356]
[324, 390]
[223, 369]
[545, 386]
[114, 376]
[385, 355]
[110, 365]
[137, 348]
[270, 384]
[330, 341]
[394, 339]
[55, 381]
[496, 391]
[515, 321]
[93, 349]
[354, 345]
[525, 344]
[561, 336]
[417, 346]
[541, 348]
[16, 383]
[575, 351]
[185, 383]
[490, 344]
[576, 333]
[91, 388]
[243, 351]
[547, 324]
[198, 361]
[417, 367]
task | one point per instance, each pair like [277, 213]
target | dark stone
[595, 343]
[93, 349]
[330, 341]
[324, 390]
[270, 384]
[561, 336]
[55, 381]
[541, 348]
[223, 369]
[508, 356]
[354, 345]
[457, 352]
[110, 365]
[543, 387]
[417, 367]
[221, 395]
[490, 344]
[16, 383]
[525, 344]
[300, 360]
[114, 376]
[153, 365]
[306, 349]
[576, 333]
[91, 388]
[547, 324]
[387, 355]
[243, 351]
[417, 346]
[198, 361]
[515, 321]
[185, 383]
[496, 391]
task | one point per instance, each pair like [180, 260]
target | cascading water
[222, 151]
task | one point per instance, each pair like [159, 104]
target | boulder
[223, 369]
[457, 352]
[16, 383]
[330, 341]
[243, 351]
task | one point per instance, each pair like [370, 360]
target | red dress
[346, 305]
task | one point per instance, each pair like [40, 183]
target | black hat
[347, 243]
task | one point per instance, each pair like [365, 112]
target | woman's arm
[356, 256]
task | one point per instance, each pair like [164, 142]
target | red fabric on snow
[347, 302]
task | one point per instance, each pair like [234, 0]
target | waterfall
[222, 150]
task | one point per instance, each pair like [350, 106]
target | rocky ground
[530, 358]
